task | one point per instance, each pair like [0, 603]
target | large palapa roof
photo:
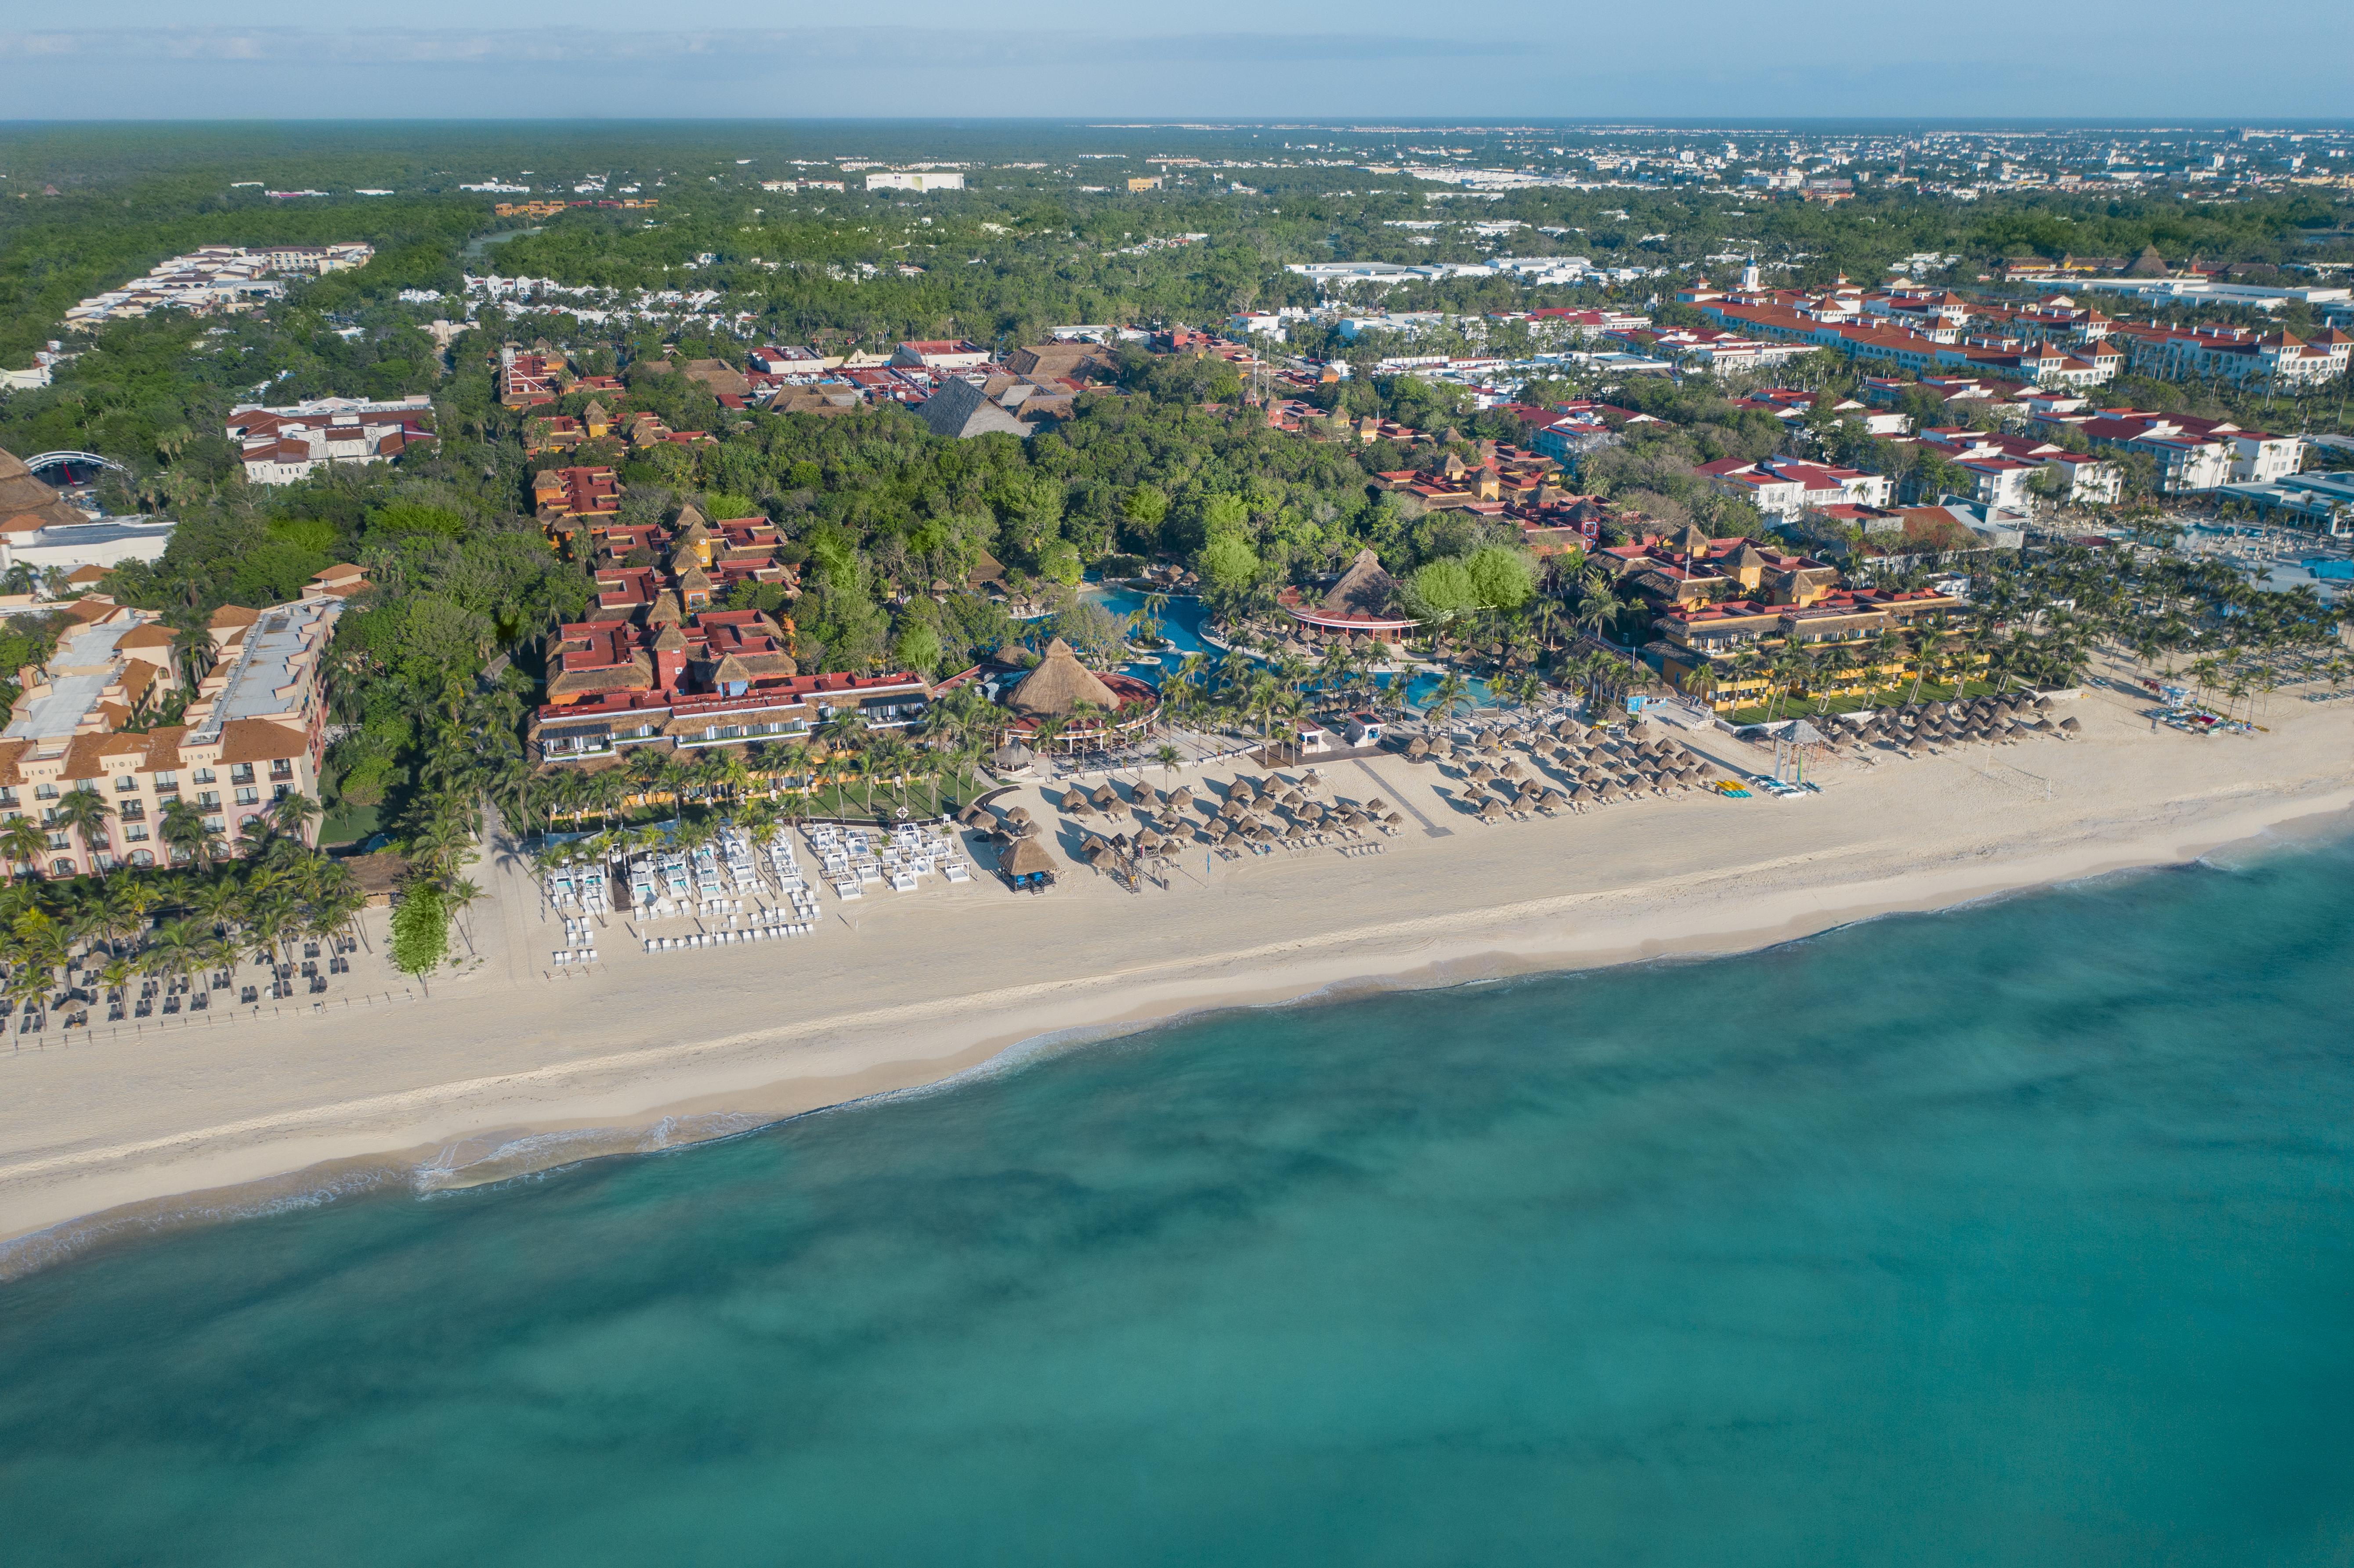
[26, 504]
[1364, 589]
[1060, 682]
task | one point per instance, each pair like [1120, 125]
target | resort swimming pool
[1181, 623]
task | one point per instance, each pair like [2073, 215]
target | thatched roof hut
[1058, 686]
[1364, 589]
[1028, 857]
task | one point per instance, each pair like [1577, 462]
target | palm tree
[1885, 647]
[294, 814]
[176, 950]
[22, 844]
[29, 983]
[116, 974]
[1701, 682]
[1169, 756]
[192, 650]
[1451, 693]
[123, 913]
[183, 828]
[83, 813]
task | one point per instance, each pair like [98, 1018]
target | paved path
[1397, 797]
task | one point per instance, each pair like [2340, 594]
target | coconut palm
[84, 812]
[183, 828]
[1451, 693]
[115, 975]
[22, 844]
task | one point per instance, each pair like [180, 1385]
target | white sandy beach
[902, 990]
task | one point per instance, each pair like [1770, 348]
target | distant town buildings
[914, 180]
[216, 281]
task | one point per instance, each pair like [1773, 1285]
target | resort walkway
[1398, 798]
[503, 932]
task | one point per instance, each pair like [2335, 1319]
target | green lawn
[348, 823]
[1811, 707]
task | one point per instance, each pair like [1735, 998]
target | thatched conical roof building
[1364, 589]
[1058, 686]
[26, 504]
[1029, 857]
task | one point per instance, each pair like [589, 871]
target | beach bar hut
[1028, 866]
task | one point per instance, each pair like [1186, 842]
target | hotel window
[57, 841]
[248, 796]
[203, 774]
[241, 774]
[208, 798]
[167, 779]
[134, 832]
[282, 768]
[7, 797]
[45, 791]
[132, 811]
[126, 784]
[215, 825]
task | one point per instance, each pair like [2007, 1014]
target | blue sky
[913, 58]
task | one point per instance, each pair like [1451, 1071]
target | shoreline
[622, 1075]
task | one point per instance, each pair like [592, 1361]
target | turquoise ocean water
[2019, 1235]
